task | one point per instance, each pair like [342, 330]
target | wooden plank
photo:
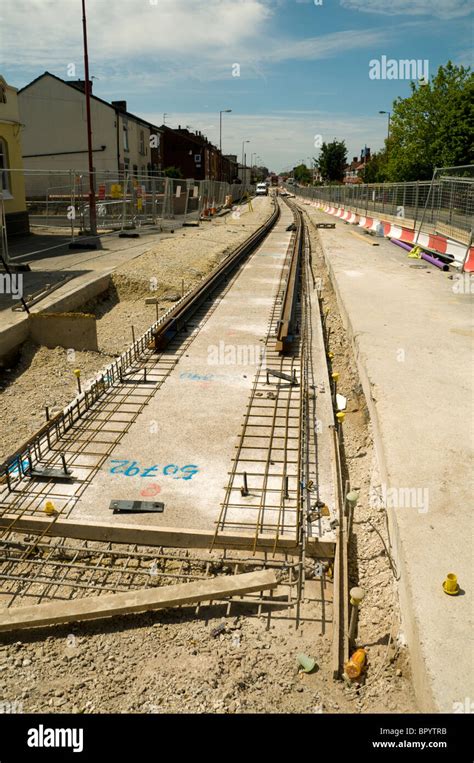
[95, 607]
[146, 535]
[366, 239]
[340, 645]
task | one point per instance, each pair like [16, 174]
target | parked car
[261, 189]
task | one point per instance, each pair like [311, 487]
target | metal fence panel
[60, 199]
[443, 205]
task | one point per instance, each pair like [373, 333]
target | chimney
[120, 105]
[355, 159]
[80, 84]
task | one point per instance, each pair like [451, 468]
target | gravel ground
[44, 377]
[388, 686]
[169, 661]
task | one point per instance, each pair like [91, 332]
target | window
[142, 143]
[4, 167]
[3, 93]
[125, 136]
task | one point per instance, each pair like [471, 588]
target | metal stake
[63, 459]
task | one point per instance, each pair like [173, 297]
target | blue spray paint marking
[189, 376]
[129, 468]
[15, 468]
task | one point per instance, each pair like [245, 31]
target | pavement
[61, 279]
[411, 330]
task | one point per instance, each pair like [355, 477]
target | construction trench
[206, 467]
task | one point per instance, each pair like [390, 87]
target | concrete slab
[411, 330]
[186, 458]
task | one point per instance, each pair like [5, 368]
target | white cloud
[44, 31]
[137, 44]
[314, 48]
[442, 9]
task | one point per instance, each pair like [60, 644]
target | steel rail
[287, 325]
[178, 317]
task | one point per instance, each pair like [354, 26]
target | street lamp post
[388, 122]
[92, 207]
[243, 144]
[224, 111]
[243, 160]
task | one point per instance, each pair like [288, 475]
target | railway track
[272, 488]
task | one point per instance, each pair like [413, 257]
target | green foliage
[375, 171]
[302, 174]
[173, 172]
[332, 161]
[434, 127]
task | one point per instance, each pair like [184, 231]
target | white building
[53, 114]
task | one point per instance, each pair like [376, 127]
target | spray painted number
[133, 469]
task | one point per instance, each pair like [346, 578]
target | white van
[261, 189]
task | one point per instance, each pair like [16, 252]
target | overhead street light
[243, 144]
[388, 122]
[224, 111]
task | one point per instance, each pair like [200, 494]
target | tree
[261, 172]
[302, 174]
[173, 172]
[332, 160]
[434, 126]
[375, 171]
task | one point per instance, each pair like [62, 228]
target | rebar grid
[272, 431]
[51, 569]
[88, 440]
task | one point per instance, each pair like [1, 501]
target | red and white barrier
[431, 241]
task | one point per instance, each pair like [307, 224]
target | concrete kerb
[420, 672]
[64, 300]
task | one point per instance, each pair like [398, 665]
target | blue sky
[304, 66]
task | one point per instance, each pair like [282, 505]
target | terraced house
[53, 112]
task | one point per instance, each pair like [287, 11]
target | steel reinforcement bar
[288, 324]
[21, 463]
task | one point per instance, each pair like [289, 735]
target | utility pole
[388, 122]
[92, 208]
[243, 159]
[224, 111]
